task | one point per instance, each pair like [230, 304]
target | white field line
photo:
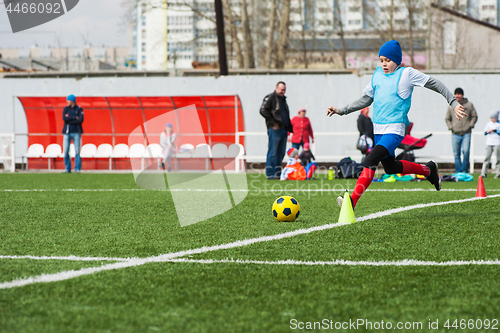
[161, 258]
[406, 262]
[284, 189]
[402, 209]
[72, 258]
[169, 256]
[73, 190]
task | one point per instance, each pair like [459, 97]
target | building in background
[459, 41]
[359, 27]
[489, 11]
[181, 34]
[69, 59]
[174, 35]
[374, 14]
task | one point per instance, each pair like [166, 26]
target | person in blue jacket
[390, 92]
[72, 130]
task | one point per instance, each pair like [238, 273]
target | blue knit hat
[168, 125]
[71, 98]
[391, 50]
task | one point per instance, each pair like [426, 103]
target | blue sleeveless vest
[388, 107]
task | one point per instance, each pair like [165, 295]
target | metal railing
[317, 135]
[11, 147]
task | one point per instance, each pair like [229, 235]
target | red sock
[364, 180]
[419, 169]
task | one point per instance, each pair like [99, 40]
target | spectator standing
[492, 132]
[167, 143]
[461, 131]
[365, 127]
[275, 110]
[302, 130]
[72, 130]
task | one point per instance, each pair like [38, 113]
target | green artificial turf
[108, 215]
[20, 268]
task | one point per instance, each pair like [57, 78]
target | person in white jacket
[167, 143]
[492, 132]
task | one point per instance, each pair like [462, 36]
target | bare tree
[391, 21]
[381, 18]
[428, 45]
[340, 26]
[332, 32]
[248, 57]
[303, 32]
[86, 53]
[283, 33]
[399, 20]
[270, 36]
[234, 34]
[451, 46]
[410, 6]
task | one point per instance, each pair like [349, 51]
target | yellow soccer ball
[286, 209]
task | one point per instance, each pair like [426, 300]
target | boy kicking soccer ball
[390, 92]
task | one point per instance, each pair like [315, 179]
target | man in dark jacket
[72, 130]
[275, 110]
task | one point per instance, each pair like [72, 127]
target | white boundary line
[169, 256]
[407, 262]
[341, 262]
[72, 258]
[73, 190]
[284, 189]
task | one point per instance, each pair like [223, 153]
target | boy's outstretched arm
[439, 87]
[361, 103]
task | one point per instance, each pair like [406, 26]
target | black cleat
[433, 177]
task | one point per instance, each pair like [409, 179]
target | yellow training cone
[346, 212]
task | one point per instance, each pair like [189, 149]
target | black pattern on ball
[287, 211]
[280, 200]
[293, 201]
[275, 213]
[298, 213]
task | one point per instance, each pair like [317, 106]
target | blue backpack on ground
[348, 168]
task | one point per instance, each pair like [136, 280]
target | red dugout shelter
[111, 120]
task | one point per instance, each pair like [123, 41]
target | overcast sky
[103, 21]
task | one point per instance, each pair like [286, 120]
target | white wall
[314, 92]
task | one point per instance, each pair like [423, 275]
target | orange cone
[481, 192]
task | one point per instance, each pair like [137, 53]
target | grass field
[95, 253]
